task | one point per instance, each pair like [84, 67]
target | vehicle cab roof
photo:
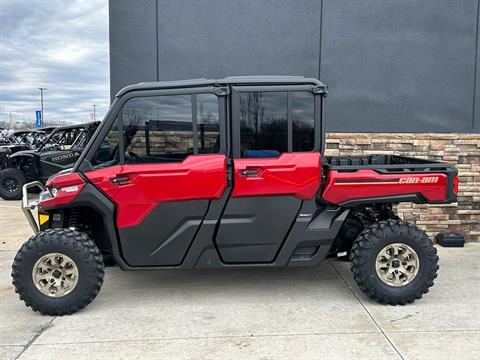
[232, 80]
[77, 126]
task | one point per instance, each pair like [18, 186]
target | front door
[171, 164]
[276, 167]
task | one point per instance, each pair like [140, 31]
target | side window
[263, 124]
[265, 120]
[158, 129]
[161, 128]
[303, 110]
[208, 125]
[107, 152]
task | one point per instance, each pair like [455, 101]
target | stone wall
[461, 150]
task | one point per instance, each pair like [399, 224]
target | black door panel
[164, 236]
[252, 229]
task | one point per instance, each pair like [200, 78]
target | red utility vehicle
[226, 173]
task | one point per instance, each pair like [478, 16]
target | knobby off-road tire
[78, 261]
[11, 182]
[368, 248]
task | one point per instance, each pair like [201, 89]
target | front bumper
[27, 206]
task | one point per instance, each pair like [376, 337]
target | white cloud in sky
[59, 45]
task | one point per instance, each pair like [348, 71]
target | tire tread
[85, 248]
[377, 233]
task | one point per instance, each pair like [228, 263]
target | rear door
[276, 166]
[171, 165]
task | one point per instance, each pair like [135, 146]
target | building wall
[391, 66]
[462, 150]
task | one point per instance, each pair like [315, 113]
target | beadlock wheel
[397, 264]
[55, 275]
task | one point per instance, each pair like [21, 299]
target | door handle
[120, 179]
[252, 171]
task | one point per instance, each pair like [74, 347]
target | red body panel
[68, 187]
[296, 174]
[197, 177]
[344, 186]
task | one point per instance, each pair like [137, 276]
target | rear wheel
[11, 182]
[394, 262]
[58, 271]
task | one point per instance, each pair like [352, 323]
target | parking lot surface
[301, 313]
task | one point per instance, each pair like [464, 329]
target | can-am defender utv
[220, 174]
[57, 152]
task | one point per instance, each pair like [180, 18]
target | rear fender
[350, 189]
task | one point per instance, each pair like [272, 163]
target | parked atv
[57, 152]
[19, 141]
[221, 174]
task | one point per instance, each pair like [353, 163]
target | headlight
[44, 195]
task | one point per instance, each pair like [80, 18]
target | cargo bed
[385, 162]
[356, 180]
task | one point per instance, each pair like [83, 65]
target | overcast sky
[56, 44]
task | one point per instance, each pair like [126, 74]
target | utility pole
[41, 102]
[94, 112]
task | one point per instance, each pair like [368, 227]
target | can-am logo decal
[62, 157]
[418, 180]
[401, 181]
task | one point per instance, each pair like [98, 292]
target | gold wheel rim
[397, 264]
[55, 275]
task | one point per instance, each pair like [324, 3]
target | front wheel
[394, 262]
[11, 182]
[58, 271]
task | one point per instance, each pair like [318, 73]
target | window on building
[272, 123]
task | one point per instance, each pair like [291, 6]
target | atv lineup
[220, 174]
[18, 141]
[57, 152]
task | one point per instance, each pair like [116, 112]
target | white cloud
[60, 45]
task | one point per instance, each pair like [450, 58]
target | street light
[41, 101]
[94, 113]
